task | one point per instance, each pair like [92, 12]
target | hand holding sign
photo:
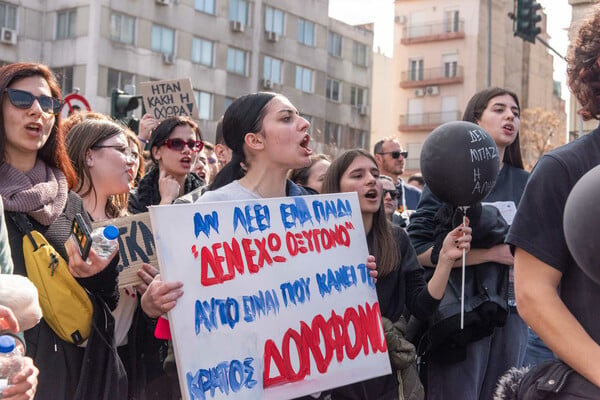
[164, 99]
[459, 162]
[581, 220]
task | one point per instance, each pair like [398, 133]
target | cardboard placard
[136, 246]
[164, 99]
[277, 298]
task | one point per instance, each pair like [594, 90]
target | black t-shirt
[538, 224]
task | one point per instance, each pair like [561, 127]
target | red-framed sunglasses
[179, 144]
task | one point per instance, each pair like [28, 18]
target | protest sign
[277, 299]
[136, 246]
[164, 99]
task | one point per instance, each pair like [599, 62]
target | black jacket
[64, 367]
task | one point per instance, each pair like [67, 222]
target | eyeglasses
[396, 154]
[126, 151]
[179, 144]
[24, 100]
[392, 192]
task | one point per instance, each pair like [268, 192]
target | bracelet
[145, 141]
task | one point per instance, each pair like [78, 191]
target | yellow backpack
[66, 306]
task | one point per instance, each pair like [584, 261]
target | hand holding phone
[80, 235]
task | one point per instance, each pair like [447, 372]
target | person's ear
[156, 152]
[89, 158]
[254, 141]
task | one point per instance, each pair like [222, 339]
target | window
[359, 54]
[206, 6]
[450, 65]
[415, 68]
[238, 11]
[65, 79]
[334, 44]
[118, 80]
[122, 28]
[304, 79]
[272, 69]
[65, 24]
[358, 96]
[204, 103]
[163, 39]
[227, 102]
[274, 20]
[333, 133]
[451, 21]
[8, 16]
[202, 52]
[306, 32]
[236, 61]
[333, 89]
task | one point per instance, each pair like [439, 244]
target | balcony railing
[426, 121]
[445, 30]
[431, 76]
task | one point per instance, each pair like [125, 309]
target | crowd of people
[90, 165]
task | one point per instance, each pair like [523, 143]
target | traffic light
[121, 104]
[526, 20]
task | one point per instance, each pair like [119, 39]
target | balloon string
[462, 286]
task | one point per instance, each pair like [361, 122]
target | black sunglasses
[393, 193]
[24, 100]
[179, 144]
[396, 154]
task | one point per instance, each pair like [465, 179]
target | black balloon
[581, 221]
[460, 162]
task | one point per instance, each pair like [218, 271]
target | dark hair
[478, 103]
[300, 175]
[417, 178]
[383, 246]
[53, 153]
[244, 115]
[379, 145]
[81, 138]
[163, 131]
[582, 66]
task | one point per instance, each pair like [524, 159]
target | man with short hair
[390, 157]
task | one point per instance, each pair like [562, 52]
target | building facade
[441, 59]
[227, 47]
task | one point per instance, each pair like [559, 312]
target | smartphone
[80, 235]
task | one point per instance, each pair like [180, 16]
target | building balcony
[431, 76]
[426, 121]
[433, 32]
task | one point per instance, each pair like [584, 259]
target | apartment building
[441, 59]
[227, 47]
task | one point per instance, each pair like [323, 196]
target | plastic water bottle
[104, 240]
[11, 361]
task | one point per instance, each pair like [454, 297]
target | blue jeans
[537, 352]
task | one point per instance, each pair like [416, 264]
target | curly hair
[583, 68]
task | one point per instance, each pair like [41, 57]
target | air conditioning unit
[8, 36]
[433, 90]
[163, 2]
[400, 19]
[267, 84]
[419, 92]
[169, 58]
[363, 109]
[272, 36]
[237, 26]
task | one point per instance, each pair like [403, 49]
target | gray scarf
[40, 193]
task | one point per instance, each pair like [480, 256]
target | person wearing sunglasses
[174, 147]
[390, 197]
[37, 178]
[390, 160]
